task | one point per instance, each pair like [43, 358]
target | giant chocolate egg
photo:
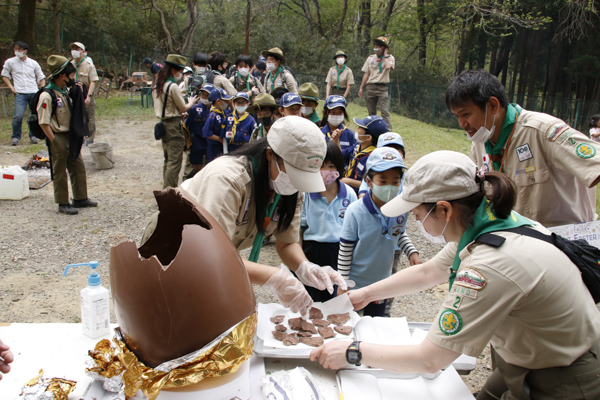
[182, 288]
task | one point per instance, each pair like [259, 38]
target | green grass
[116, 107]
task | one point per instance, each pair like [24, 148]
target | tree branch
[340, 26]
[164, 26]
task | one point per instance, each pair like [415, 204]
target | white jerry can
[14, 183]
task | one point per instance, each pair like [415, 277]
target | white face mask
[244, 71]
[282, 184]
[20, 54]
[307, 110]
[440, 239]
[200, 70]
[340, 60]
[271, 66]
[376, 50]
[335, 120]
[178, 76]
[241, 109]
[75, 53]
[223, 105]
[483, 134]
[205, 101]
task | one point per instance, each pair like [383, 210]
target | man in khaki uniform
[340, 77]
[377, 69]
[555, 167]
[86, 74]
[278, 76]
[56, 127]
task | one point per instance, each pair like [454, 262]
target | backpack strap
[165, 102]
[496, 241]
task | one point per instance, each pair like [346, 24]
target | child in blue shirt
[334, 115]
[195, 123]
[214, 128]
[243, 123]
[368, 238]
[323, 215]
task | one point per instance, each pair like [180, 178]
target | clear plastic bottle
[95, 310]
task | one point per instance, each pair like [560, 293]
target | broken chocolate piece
[279, 335]
[344, 330]
[290, 340]
[295, 323]
[338, 319]
[280, 328]
[315, 313]
[326, 332]
[314, 341]
[303, 333]
[308, 327]
[321, 322]
[277, 319]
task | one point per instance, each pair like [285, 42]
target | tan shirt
[371, 67]
[224, 188]
[175, 101]
[553, 166]
[61, 120]
[221, 81]
[346, 77]
[86, 72]
[252, 81]
[529, 300]
[284, 79]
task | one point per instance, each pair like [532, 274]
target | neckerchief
[273, 77]
[237, 120]
[485, 221]
[512, 112]
[245, 80]
[379, 60]
[77, 64]
[52, 85]
[171, 79]
[314, 117]
[217, 110]
[339, 72]
[360, 154]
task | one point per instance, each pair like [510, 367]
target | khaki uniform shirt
[526, 296]
[346, 77]
[221, 81]
[61, 120]
[371, 67]
[175, 101]
[224, 188]
[284, 79]
[553, 166]
[251, 81]
[86, 72]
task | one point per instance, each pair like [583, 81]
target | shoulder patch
[470, 278]
[555, 131]
[585, 150]
[450, 322]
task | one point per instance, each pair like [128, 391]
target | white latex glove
[320, 277]
[289, 291]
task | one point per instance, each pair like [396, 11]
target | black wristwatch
[353, 355]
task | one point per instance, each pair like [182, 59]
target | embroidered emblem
[396, 232]
[463, 291]
[450, 322]
[530, 169]
[520, 171]
[345, 202]
[59, 102]
[342, 214]
[556, 131]
[389, 156]
[572, 141]
[524, 152]
[470, 278]
[585, 150]
[389, 137]
[457, 302]
[400, 219]
[486, 163]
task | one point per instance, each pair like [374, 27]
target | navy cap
[208, 87]
[147, 60]
[373, 123]
[219, 94]
[390, 138]
[384, 158]
[289, 99]
[241, 95]
[335, 101]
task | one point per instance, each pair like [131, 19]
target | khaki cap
[78, 44]
[441, 175]
[263, 100]
[382, 40]
[309, 91]
[275, 52]
[302, 146]
[340, 53]
[56, 64]
[176, 60]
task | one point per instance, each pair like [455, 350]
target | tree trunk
[502, 63]
[56, 19]
[533, 69]
[482, 44]
[516, 62]
[524, 61]
[340, 26]
[26, 25]
[366, 20]
[388, 13]
[493, 56]
[465, 47]
[421, 16]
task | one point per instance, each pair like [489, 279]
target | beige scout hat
[382, 40]
[302, 146]
[78, 44]
[340, 53]
[275, 52]
[263, 100]
[56, 64]
[441, 175]
[309, 91]
[176, 60]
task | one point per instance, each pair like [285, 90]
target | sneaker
[14, 142]
[34, 140]
[84, 203]
[67, 209]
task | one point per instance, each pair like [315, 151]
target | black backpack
[209, 76]
[581, 253]
[286, 70]
[196, 83]
[33, 122]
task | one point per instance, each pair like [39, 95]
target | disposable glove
[289, 291]
[320, 277]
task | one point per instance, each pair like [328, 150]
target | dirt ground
[36, 243]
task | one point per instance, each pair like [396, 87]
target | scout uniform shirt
[553, 166]
[340, 78]
[222, 82]
[241, 130]
[357, 161]
[525, 296]
[195, 123]
[347, 138]
[62, 118]
[372, 67]
[242, 84]
[280, 78]
[174, 102]
[86, 71]
[224, 188]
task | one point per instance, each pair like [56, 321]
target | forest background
[544, 52]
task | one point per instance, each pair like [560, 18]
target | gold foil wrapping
[223, 358]
[57, 386]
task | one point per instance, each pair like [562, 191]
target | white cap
[302, 146]
[78, 44]
[438, 176]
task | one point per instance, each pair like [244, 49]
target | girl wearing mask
[242, 80]
[340, 77]
[334, 115]
[167, 92]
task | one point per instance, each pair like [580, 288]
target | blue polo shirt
[375, 237]
[347, 138]
[195, 122]
[322, 220]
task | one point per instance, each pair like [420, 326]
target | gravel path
[36, 243]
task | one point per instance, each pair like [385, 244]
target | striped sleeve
[405, 244]
[345, 257]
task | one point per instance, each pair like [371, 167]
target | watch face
[352, 356]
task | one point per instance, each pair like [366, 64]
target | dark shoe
[14, 142]
[84, 203]
[67, 209]
[34, 140]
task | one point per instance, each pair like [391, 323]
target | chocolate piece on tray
[280, 328]
[303, 333]
[321, 322]
[308, 327]
[314, 341]
[338, 319]
[291, 340]
[279, 335]
[344, 330]
[295, 323]
[277, 319]
[326, 332]
[315, 313]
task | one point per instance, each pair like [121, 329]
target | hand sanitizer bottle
[95, 313]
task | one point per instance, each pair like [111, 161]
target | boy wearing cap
[278, 76]
[368, 238]
[266, 111]
[243, 123]
[216, 123]
[218, 64]
[309, 93]
[334, 115]
[55, 119]
[242, 80]
[290, 104]
[339, 78]
[86, 74]
[377, 69]
[195, 122]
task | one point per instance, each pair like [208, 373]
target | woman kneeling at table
[520, 293]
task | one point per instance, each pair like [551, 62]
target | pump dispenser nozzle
[94, 278]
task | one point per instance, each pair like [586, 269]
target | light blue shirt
[322, 220]
[375, 237]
